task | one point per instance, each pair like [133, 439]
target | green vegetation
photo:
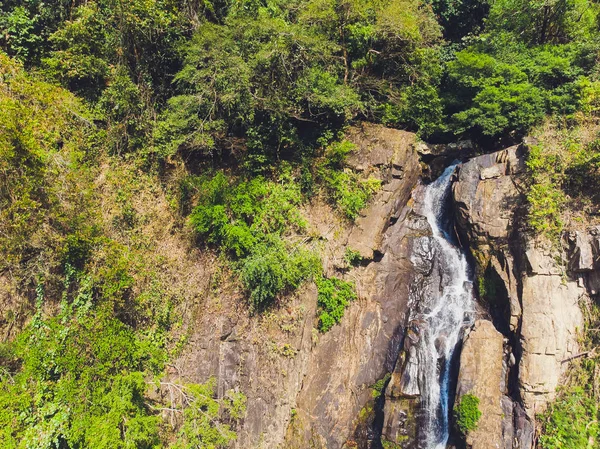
[563, 165]
[467, 413]
[352, 257]
[345, 189]
[391, 445]
[378, 388]
[334, 296]
[571, 421]
[135, 136]
[249, 221]
[98, 332]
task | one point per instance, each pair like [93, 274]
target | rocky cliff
[307, 389]
[526, 290]
[311, 390]
[528, 320]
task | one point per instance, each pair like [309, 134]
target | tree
[542, 21]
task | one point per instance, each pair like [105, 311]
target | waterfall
[445, 315]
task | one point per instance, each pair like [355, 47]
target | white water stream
[446, 316]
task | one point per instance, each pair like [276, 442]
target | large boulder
[482, 375]
[486, 194]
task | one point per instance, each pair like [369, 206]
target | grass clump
[467, 413]
[334, 296]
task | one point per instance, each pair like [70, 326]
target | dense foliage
[95, 335]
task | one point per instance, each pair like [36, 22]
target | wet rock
[481, 374]
[400, 423]
[402, 393]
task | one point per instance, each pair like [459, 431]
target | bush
[333, 298]
[347, 191]
[352, 257]
[236, 216]
[274, 268]
[572, 421]
[467, 413]
[80, 379]
[248, 221]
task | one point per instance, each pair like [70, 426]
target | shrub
[352, 257]
[80, 379]
[248, 221]
[203, 423]
[347, 191]
[273, 268]
[333, 298]
[337, 152]
[467, 413]
[572, 421]
[235, 216]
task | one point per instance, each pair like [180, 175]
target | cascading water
[445, 316]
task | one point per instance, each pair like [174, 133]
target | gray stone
[481, 374]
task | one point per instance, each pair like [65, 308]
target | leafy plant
[467, 413]
[248, 221]
[378, 388]
[352, 257]
[273, 269]
[571, 422]
[333, 298]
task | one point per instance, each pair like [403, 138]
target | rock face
[312, 390]
[486, 194]
[551, 318]
[402, 395]
[482, 374]
[528, 296]
[390, 154]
